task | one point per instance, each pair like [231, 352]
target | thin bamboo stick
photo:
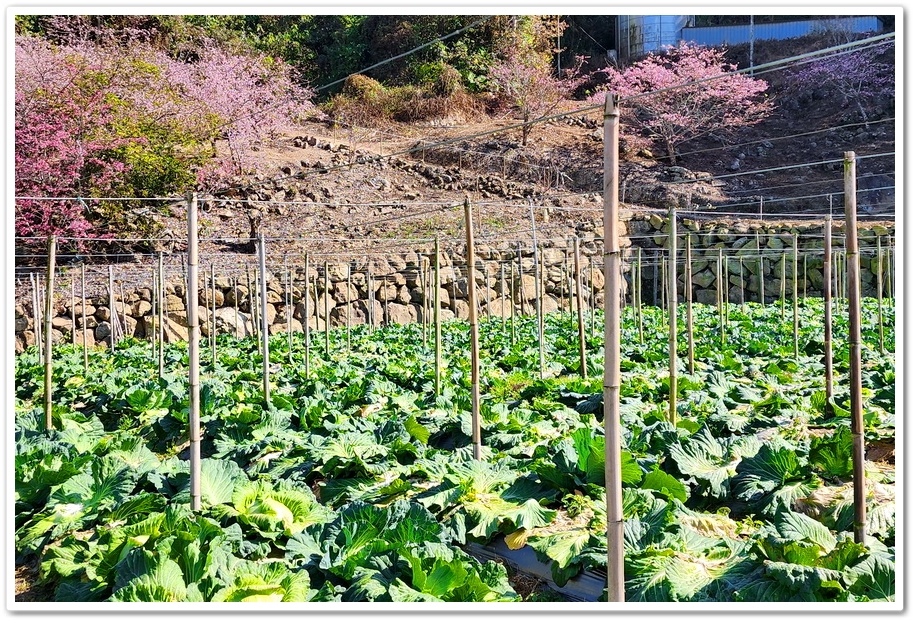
[472, 319]
[688, 296]
[235, 305]
[265, 333]
[795, 294]
[855, 346]
[437, 319]
[672, 315]
[880, 286]
[49, 335]
[349, 304]
[828, 316]
[73, 313]
[639, 318]
[307, 318]
[213, 315]
[537, 292]
[720, 296]
[113, 311]
[194, 433]
[512, 299]
[85, 328]
[327, 311]
[161, 326]
[36, 318]
[583, 369]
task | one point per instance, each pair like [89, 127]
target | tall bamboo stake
[638, 285]
[370, 298]
[472, 319]
[593, 303]
[804, 290]
[307, 317]
[49, 336]
[795, 294]
[161, 326]
[688, 295]
[486, 280]
[855, 346]
[85, 328]
[663, 292]
[720, 294]
[672, 315]
[782, 288]
[437, 319]
[537, 292]
[349, 320]
[73, 313]
[583, 369]
[880, 285]
[828, 315]
[502, 295]
[512, 300]
[213, 315]
[253, 306]
[741, 279]
[265, 334]
[725, 293]
[521, 289]
[760, 285]
[327, 310]
[235, 305]
[36, 318]
[113, 311]
[193, 354]
[288, 300]
[612, 455]
[152, 314]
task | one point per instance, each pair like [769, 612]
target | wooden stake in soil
[49, 335]
[306, 318]
[213, 316]
[113, 311]
[152, 313]
[437, 319]
[73, 313]
[725, 293]
[86, 329]
[235, 305]
[880, 285]
[265, 334]
[521, 289]
[193, 354]
[161, 326]
[36, 318]
[795, 294]
[855, 346]
[688, 295]
[720, 298]
[612, 455]
[289, 311]
[502, 295]
[672, 315]
[583, 369]
[782, 288]
[327, 311]
[638, 294]
[349, 303]
[512, 300]
[537, 292]
[472, 318]
[828, 316]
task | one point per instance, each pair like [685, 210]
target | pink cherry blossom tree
[526, 80]
[683, 93]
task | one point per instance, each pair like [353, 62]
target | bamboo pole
[655, 269]
[804, 290]
[486, 280]
[152, 314]
[521, 289]
[437, 319]
[782, 288]
[307, 317]
[73, 313]
[612, 455]
[688, 296]
[583, 369]
[795, 295]
[85, 328]
[880, 286]
[349, 304]
[672, 315]
[639, 319]
[253, 306]
[472, 318]
[49, 336]
[424, 299]
[725, 293]
[235, 305]
[36, 318]
[265, 334]
[760, 284]
[213, 315]
[828, 315]
[502, 295]
[855, 346]
[327, 310]
[720, 294]
[194, 434]
[161, 327]
[741, 279]
[664, 280]
[370, 298]
[113, 311]
[288, 299]
[512, 300]
[537, 292]
[122, 327]
[593, 303]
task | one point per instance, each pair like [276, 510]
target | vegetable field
[357, 481]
